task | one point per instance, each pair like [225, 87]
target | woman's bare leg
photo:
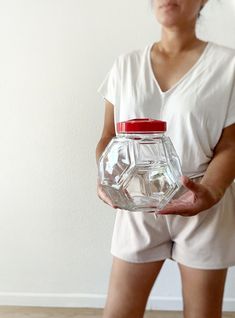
[203, 291]
[129, 287]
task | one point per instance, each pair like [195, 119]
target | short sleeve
[110, 87]
[230, 117]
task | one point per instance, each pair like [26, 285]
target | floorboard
[51, 312]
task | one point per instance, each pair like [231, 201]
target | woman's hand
[199, 198]
[103, 196]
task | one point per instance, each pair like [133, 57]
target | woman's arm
[221, 170]
[108, 129]
[218, 176]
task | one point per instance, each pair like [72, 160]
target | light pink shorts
[205, 240]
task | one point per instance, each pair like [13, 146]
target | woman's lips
[169, 6]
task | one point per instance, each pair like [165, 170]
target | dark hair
[199, 13]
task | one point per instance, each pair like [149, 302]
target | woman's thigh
[203, 291]
[129, 287]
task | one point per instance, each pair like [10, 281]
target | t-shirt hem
[229, 122]
[106, 97]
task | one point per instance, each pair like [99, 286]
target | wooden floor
[42, 312]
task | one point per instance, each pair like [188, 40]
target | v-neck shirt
[183, 77]
[197, 108]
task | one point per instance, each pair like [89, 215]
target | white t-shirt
[196, 108]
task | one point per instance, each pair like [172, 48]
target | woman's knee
[202, 292]
[129, 287]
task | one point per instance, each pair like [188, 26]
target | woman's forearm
[220, 172]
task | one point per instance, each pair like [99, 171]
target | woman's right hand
[103, 196]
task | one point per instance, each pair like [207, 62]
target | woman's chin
[169, 22]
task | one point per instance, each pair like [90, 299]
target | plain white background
[55, 234]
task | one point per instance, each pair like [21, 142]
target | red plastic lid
[141, 126]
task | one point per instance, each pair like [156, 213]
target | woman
[190, 84]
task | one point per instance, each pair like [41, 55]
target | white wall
[54, 233]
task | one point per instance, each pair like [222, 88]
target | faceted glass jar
[140, 170]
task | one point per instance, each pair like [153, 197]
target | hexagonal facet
[149, 188]
[140, 175]
[114, 162]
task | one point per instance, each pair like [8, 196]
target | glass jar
[139, 169]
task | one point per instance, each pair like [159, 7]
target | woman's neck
[174, 41]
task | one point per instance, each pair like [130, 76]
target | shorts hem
[205, 266]
[131, 260]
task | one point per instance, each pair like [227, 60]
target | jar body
[140, 172]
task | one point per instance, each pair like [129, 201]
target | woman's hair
[199, 13]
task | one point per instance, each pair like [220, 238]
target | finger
[105, 200]
[178, 204]
[164, 212]
[103, 196]
[183, 213]
[178, 209]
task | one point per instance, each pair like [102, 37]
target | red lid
[141, 126]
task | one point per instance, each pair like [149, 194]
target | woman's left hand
[197, 199]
